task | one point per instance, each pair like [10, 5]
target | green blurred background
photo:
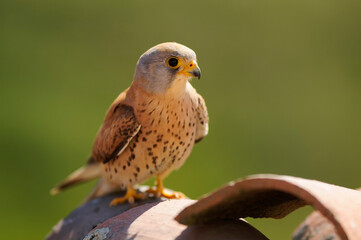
[281, 80]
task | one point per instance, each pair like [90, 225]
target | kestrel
[150, 128]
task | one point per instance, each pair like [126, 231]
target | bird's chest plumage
[168, 131]
[165, 140]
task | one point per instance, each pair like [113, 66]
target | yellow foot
[166, 194]
[129, 197]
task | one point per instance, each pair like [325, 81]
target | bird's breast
[168, 130]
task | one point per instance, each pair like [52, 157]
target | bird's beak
[192, 70]
[196, 73]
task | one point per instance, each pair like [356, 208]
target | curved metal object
[276, 196]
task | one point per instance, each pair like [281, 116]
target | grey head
[165, 66]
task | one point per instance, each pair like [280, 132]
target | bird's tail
[90, 171]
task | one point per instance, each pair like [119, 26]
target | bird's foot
[156, 192]
[173, 195]
[129, 197]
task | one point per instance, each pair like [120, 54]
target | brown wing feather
[119, 127]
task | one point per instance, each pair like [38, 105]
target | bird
[149, 129]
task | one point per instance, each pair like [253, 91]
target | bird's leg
[160, 191]
[129, 197]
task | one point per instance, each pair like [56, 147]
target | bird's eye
[173, 62]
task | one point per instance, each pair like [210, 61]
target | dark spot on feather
[150, 113]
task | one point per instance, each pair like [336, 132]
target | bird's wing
[119, 128]
[202, 119]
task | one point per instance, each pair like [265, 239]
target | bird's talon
[174, 195]
[162, 193]
[153, 191]
[181, 195]
[129, 197]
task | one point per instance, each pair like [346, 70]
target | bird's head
[166, 66]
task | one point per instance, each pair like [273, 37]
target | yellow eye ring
[173, 62]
